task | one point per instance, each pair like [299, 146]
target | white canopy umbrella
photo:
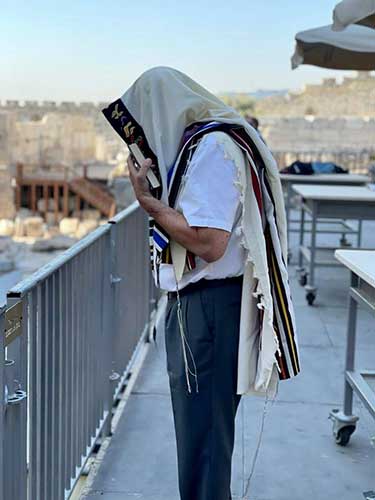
[354, 12]
[353, 48]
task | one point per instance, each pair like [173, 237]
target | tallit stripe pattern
[284, 327]
[288, 360]
[287, 357]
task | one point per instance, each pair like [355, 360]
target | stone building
[348, 142]
[352, 97]
[35, 140]
[7, 205]
[7, 129]
[319, 134]
[330, 121]
[58, 138]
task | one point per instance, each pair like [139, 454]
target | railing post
[2, 400]
[16, 409]
[109, 325]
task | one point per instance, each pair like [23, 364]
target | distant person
[254, 122]
[218, 248]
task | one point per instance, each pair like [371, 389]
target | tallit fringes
[185, 345]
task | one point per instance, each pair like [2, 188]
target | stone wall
[37, 123]
[58, 138]
[44, 107]
[7, 128]
[299, 134]
[7, 205]
[349, 142]
[352, 97]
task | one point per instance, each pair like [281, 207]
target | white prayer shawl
[165, 102]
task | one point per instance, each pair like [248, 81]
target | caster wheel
[343, 435]
[310, 297]
[303, 279]
[345, 243]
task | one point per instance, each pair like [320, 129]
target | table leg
[301, 238]
[359, 234]
[344, 422]
[310, 287]
[313, 246]
[288, 198]
[350, 347]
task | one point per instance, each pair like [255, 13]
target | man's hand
[139, 180]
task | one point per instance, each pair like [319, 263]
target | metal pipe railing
[2, 400]
[83, 316]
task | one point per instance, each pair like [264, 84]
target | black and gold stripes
[283, 322]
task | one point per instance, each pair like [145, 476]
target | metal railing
[73, 332]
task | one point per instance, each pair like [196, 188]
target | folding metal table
[361, 264]
[333, 202]
[287, 180]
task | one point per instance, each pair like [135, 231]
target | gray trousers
[204, 420]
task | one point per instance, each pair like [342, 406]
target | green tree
[243, 103]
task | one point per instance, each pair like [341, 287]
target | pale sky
[93, 50]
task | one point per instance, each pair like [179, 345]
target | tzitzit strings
[185, 344]
[247, 482]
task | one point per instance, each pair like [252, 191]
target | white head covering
[165, 102]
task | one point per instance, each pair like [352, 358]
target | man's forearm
[207, 243]
[176, 226]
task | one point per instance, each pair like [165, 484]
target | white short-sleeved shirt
[210, 198]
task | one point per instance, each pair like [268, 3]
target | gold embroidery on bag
[129, 129]
[116, 114]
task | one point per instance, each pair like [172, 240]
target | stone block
[19, 226]
[34, 227]
[59, 242]
[6, 227]
[85, 227]
[50, 218]
[52, 231]
[90, 213]
[69, 225]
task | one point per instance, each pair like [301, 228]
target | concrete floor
[298, 458]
